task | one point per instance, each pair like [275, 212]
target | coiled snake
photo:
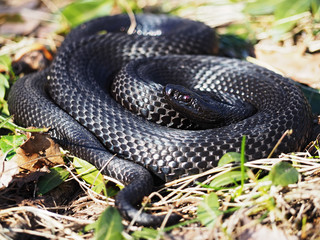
[75, 97]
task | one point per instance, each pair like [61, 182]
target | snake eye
[186, 98]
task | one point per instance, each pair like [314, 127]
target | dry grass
[293, 211]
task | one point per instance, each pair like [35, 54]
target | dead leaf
[58, 196]
[38, 151]
[292, 61]
[265, 233]
[18, 20]
[23, 178]
[31, 58]
[25, 18]
[36, 155]
[251, 231]
[8, 169]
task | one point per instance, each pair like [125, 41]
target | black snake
[73, 97]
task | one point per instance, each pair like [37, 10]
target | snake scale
[75, 97]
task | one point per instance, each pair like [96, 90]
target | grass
[290, 210]
[237, 201]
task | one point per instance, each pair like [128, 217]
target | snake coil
[74, 97]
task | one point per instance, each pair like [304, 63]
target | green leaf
[147, 233]
[261, 7]
[11, 142]
[208, 210]
[109, 226]
[90, 174]
[84, 10]
[4, 81]
[229, 158]
[4, 85]
[4, 108]
[287, 14]
[90, 227]
[283, 174]
[243, 160]
[5, 63]
[51, 180]
[279, 29]
[315, 7]
[5, 66]
[287, 8]
[265, 178]
[228, 178]
[6, 123]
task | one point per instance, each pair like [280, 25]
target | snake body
[73, 97]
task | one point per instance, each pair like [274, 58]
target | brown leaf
[23, 178]
[265, 233]
[18, 20]
[38, 151]
[7, 171]
[292, 61]
[31, 58]
[251, 231]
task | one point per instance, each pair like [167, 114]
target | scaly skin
[86, 119]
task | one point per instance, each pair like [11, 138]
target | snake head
[191, 105]
[206, 110]
[178, 95]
